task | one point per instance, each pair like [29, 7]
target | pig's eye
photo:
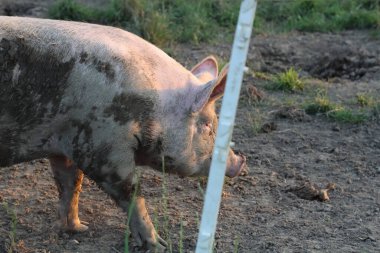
[207, 128]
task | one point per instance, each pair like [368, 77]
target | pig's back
[66, 40]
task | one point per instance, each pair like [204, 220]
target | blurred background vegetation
[165, 21]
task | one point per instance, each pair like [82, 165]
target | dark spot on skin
[128, 107]
[149, 148]
[98, 159]
[41, 81]
[104, 67]
[65, 109]
[128, 190]
[117, 188]
[101, 66]
[121, 190]
[92, 117]
[83, 57]
[84, 147]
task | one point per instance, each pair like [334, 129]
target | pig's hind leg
[68, 179]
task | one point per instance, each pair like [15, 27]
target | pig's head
[189, 132]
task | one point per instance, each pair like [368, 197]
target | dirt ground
[277, 207]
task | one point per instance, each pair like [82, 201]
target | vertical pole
[225, 127]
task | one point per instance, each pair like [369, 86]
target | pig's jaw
[235, 165]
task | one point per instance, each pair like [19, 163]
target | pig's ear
[206, 70]
[211, 91]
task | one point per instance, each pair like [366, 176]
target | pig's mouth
[236, 165]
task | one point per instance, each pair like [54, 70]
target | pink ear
[220, 85]
[211, 91]
[206, 70]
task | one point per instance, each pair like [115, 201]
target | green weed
[376, 111]
[131, 206]
[180, 243]
[11, 245]
[364, 100]
[287, 81]
[321, 104]
[164, 206]
[347, 116]
[255, 120]
[263, 75]
[236, 245]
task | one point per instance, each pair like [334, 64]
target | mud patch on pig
[35, 80]
[127, 107]
[101, 66]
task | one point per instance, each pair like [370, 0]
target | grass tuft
[347, 116]
[321, 104]
[365, 100]
[287, 81]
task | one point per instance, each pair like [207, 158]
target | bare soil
[295, 161]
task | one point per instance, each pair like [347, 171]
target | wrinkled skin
[99, 101]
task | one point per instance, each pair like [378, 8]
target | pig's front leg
[127, 195]
[142, 228]
[68, 179]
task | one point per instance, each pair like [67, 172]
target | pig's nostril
[243, 158]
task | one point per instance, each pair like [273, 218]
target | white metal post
[225, 127]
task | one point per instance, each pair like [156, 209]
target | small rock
[179, 188]
[310, 191]
[254, 94]
[269, 127]
[336, 128]
[74, 241]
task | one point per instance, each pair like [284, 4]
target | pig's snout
[235, 164]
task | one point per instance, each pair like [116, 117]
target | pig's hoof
[154, 243]
[77, 228]
[74, 228]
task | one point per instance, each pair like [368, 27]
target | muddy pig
[100, 101]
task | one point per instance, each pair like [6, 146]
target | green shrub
[71, 10]
[159, 21]
[319, 15]
[163, 21]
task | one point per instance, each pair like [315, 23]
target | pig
[100, 101]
